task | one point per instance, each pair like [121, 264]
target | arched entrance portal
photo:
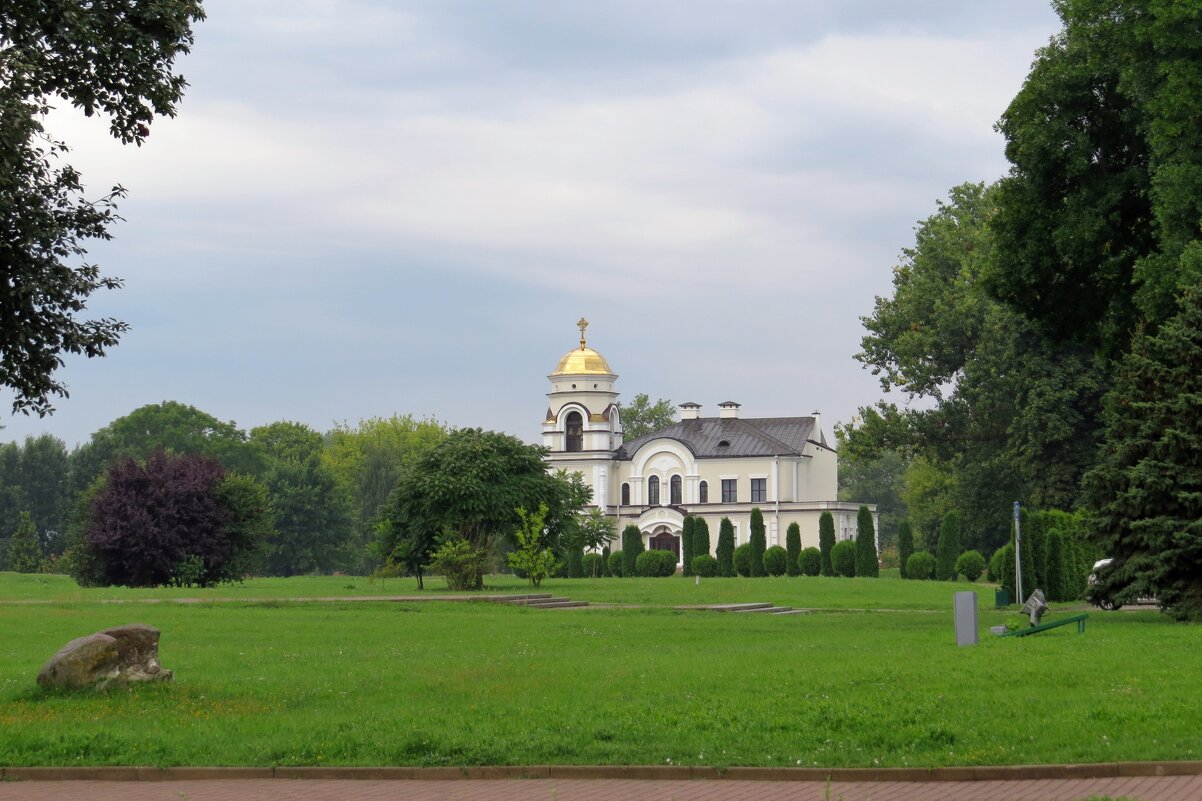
[664, 540]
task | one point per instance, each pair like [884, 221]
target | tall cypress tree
[632, 546]
[759, 543]
[867, 563]
[686, 546]
[793, 550]
[826, 541]
[948, 550]
[701, 537]
[905, 544]
[725, 553]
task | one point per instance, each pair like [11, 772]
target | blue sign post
[1018, 554]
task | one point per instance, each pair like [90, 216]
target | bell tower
[583, 428]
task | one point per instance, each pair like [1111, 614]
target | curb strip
[644, 772]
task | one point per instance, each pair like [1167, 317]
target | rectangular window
[759, 490]
[730, 492]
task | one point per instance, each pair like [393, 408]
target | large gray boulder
[116, 656]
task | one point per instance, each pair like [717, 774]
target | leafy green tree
[758, 542]
[632, 546]
[949, 547]
[725, 552]
[367, 460]
[1099, 215]
[1013, 413]
[642, 416]
[843, 558]
[1146, 492]
[793, 549]
[173, 427]
[113, 61]
[24, 553]
[313, 526]
[44, 486]
[701, 537]
[877, 478]
[596, 533]
[867, 564]
[826, 542]
[471, 483]
[686, 545]
[905, 545]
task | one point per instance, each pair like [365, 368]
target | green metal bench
[1078, 619]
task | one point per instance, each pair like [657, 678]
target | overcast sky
[368, 208]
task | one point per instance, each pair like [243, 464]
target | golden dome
[582, 361]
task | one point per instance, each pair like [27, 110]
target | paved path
[1163, 788]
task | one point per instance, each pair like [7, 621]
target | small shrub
[920, 566]
[810, 562]
[605, 561]
[890, 558]
[843, 558]
[616, 562]
[705, 566]
[593, 565]
[776, 561]
[462, 564]
[970, 565]
[656, 564]
[742, 560]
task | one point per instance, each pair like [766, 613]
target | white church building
[707, 467]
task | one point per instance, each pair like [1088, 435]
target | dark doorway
[664, 540]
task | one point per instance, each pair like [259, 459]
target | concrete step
[750, 607]
[544, 601]
[769, 608]
[564, 604]
[788, 611]
[523, 599]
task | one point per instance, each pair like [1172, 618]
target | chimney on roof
[728, 410]
[690, 410]
[816, 434]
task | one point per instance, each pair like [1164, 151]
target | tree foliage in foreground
[1147, 489]
[112, 59]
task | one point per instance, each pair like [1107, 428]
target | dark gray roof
[753, 436]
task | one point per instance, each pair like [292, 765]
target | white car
[1104, 602]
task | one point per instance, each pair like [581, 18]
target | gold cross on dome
[583, 324]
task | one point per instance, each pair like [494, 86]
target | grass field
[277, 683]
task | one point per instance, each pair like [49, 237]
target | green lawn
[810, 592]
[438, 683]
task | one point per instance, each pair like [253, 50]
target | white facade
[707, 467]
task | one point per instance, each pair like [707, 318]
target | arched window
[653, 491]
[674, 491]
[626, 495]
[704, 493]
[575, 432]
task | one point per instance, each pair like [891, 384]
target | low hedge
[705, 566]
[776, 561]
[742, 560]
[843, 558]
[655, 564]
[616, 562]
[920, 566]
[592, 565]
[810, 562]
